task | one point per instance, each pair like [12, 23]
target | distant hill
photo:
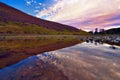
[13, 21]
[111, 31]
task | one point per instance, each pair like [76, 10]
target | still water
[76, 61]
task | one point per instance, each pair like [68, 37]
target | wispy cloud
[85, 14]
[29, 2]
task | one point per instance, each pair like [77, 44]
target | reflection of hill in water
[85, 61]
[13, 51]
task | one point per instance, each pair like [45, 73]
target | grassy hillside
[8, 13]
[13, 21]
[21, 28]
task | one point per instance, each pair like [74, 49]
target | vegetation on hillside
[8, 13]
[22, 28]
[13, 21]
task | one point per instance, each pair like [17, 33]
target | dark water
[73, 60]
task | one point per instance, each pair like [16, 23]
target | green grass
[20, 28]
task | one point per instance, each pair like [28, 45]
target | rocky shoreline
[110, 39]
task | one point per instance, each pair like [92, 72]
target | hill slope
[12, 19]
[111, 31]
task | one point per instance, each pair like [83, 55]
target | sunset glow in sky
[82, 14]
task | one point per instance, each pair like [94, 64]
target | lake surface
[61, 60]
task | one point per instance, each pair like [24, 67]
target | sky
[82, 14]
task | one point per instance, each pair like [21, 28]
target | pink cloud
[84, 14]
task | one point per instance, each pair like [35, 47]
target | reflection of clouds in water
[100, 50]
[33, 68]
[86, 60]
